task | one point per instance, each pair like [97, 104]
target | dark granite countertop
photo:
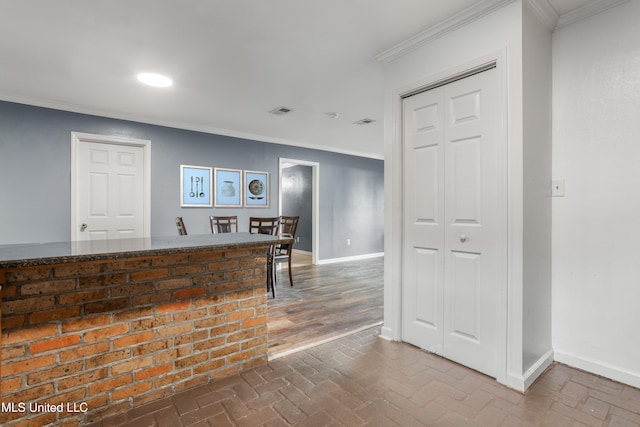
[27, 255]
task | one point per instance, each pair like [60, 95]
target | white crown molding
[458, 20]
[180, 125]
[544, 11]
[587, 11]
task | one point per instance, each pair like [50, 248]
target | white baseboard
[515, 382]
[386, 333]
[599, 368]
[350, 258]
[538, 368]
[522, 382]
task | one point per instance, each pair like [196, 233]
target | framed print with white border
[195, 186]
[256, 189]
[227, 188]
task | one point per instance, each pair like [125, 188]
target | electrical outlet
[348, 242]
[557, 188]
[298, 239]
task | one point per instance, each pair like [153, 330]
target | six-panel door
[110, 191]
[452, 253]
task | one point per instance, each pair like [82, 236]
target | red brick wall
[108, 336]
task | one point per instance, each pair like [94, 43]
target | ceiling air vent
[364, 122]
[281, 110]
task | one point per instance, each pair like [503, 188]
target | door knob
[83, 227]
[463, 238]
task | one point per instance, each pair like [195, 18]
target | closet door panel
[472, 217]
[424, 116]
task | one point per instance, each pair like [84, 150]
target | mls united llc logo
[34, 407]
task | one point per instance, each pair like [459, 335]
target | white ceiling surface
[232, 61]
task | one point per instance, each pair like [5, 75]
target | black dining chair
[260, 225]
[288, 227]
[223, 224]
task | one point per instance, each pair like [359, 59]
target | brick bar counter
[93, 329]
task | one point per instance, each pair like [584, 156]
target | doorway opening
[298, 196]
[326, 301]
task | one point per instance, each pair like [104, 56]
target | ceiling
[232, 61]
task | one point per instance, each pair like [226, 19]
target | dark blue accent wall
[35, 187]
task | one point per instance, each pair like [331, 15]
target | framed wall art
[256, 189]
[195, 186]
[227, 188]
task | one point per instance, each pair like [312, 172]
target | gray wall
[35, 192]
[297, 194]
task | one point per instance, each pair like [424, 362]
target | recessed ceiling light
[364, 122]
[153, 79]
[332, 115]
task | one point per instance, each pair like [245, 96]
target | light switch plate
[557, 188]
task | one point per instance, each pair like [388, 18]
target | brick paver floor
[362, 380]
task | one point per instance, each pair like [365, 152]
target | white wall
[537, 83]
[596, 226]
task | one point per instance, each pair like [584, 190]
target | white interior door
[452, 253]
[109, 190]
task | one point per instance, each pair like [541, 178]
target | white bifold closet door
[452, 259]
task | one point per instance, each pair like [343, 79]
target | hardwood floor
[325, 303]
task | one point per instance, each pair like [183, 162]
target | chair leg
[268, 280]
[275, 271]
[273, 279]
[270, 273]
[290, 274]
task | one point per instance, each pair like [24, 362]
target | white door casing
[315, 202]
[453, 257]
[110, 187]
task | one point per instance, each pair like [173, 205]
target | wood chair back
[223, 224]
[261, 225]
[182, 230]
[288, 227]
